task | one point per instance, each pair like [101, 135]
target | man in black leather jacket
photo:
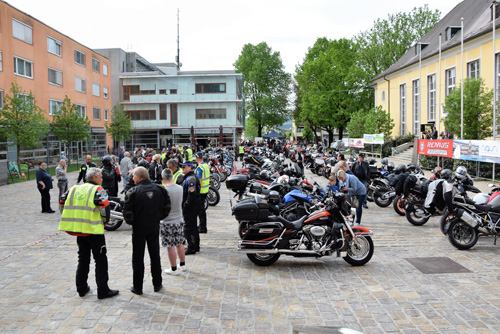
[361, 169]
[191, 205]
[83, 169]
[145, 205]
[109, 176]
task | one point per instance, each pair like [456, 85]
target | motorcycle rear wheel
[444, 222]
[242, 229]
[399, 205]
[215, 183]
[213, 196]
[113, 224]
[263, 260]
[223, 175]
[382, 202]
[462, 235]
[415, 214]
[359, 256]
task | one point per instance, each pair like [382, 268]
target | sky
[212, 33]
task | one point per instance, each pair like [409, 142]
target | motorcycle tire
[205, 203]
[446, 219]
[369, 195]
[113, 224]
[399, 205]
[242, 229]
[462, 235]
[358, 257]
[223, 175]
[263, 259]
[213, 196]
[415, 215]
[215, 183]
[383, 203]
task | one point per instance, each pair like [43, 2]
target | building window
[54, 107]
[23, 67]
[79, 58]
[1, 98]
[210, 113]
[81, 110]
[431, 97]
[106, 115]
[96, 89]
[105, 92]
[54, 46]
[95, 65]
[173, 91]
[55, 77]
[163, 111]
[451, 77]
[450, 32]
[173, 115]
[80, 85]
[142, 115]
[473, 69]
[135, 90]
[105, 69]
[210, 88]
[402, 109]
[22, 31]
[1, 68]
[416, 107]
[97, 114]
[162, 92]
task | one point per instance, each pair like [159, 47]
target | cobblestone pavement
[223, 292]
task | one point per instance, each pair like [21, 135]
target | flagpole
[462, 81]
[439, 89]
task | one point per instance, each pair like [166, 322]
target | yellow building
[414, 88]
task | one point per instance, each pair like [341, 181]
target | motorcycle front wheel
[213, 196]
[399, 205]
[262, 259]
[113, 223]
[358, 255]
[382, 202]
[215, 183]
[462, 235]
[416, 214]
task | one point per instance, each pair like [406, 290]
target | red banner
[439, 148]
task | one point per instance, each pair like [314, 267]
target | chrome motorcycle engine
[315, 237]
[317, 231]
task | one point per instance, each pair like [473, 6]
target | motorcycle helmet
[143, 163]
[106, 161]
[283, 179]
[411, 167]
[446, 174]
[274, 197]
[400, 169]
[384, 161]
[372, 161]
[461, 173]
[390, 166]
[437, 172]
[265, 175]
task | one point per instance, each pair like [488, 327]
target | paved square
[223, 292]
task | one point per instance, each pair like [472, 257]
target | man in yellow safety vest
[242, 151]
[173, 165]
[188, 154]
[85, 210]
[203, 174]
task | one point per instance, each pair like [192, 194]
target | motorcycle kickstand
[495, 241]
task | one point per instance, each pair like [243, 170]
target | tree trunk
[315, 134]
[330, 137]
[341, 132]
[259, 129]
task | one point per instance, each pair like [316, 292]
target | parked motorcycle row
[280, 212]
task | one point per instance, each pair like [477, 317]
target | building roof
[477, 22]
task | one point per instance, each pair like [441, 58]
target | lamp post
[462, 80]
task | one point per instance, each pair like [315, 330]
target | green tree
[251, 130]
[478, 110]
[329, 88]
[266, 85]
[376, 120]
[22, 121]
[307, 133]
[68, 125]
[121, 125]
[389, 39]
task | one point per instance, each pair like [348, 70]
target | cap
[62, 152]
[187, 163]
[362, 155]
[199, 154]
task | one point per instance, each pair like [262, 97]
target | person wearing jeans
[351, 184]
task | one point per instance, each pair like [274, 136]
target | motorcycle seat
[296, 225]
[487, 208]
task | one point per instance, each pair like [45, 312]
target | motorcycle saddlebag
[237, 182]
[262, 234]
[372, 169]
[251, 211]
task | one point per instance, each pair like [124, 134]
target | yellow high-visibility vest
[80, 214]
[242, 149]
[176, 175]
[189, 153]
[205, 178]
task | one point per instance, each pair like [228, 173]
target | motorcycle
[324, 232]
[116, 214]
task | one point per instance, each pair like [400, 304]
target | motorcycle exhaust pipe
[469, 219]
[257, 251]
[116, 215]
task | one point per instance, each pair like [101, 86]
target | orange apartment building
[52, 65]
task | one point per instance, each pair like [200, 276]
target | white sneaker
[169, 271]
[182, 268]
